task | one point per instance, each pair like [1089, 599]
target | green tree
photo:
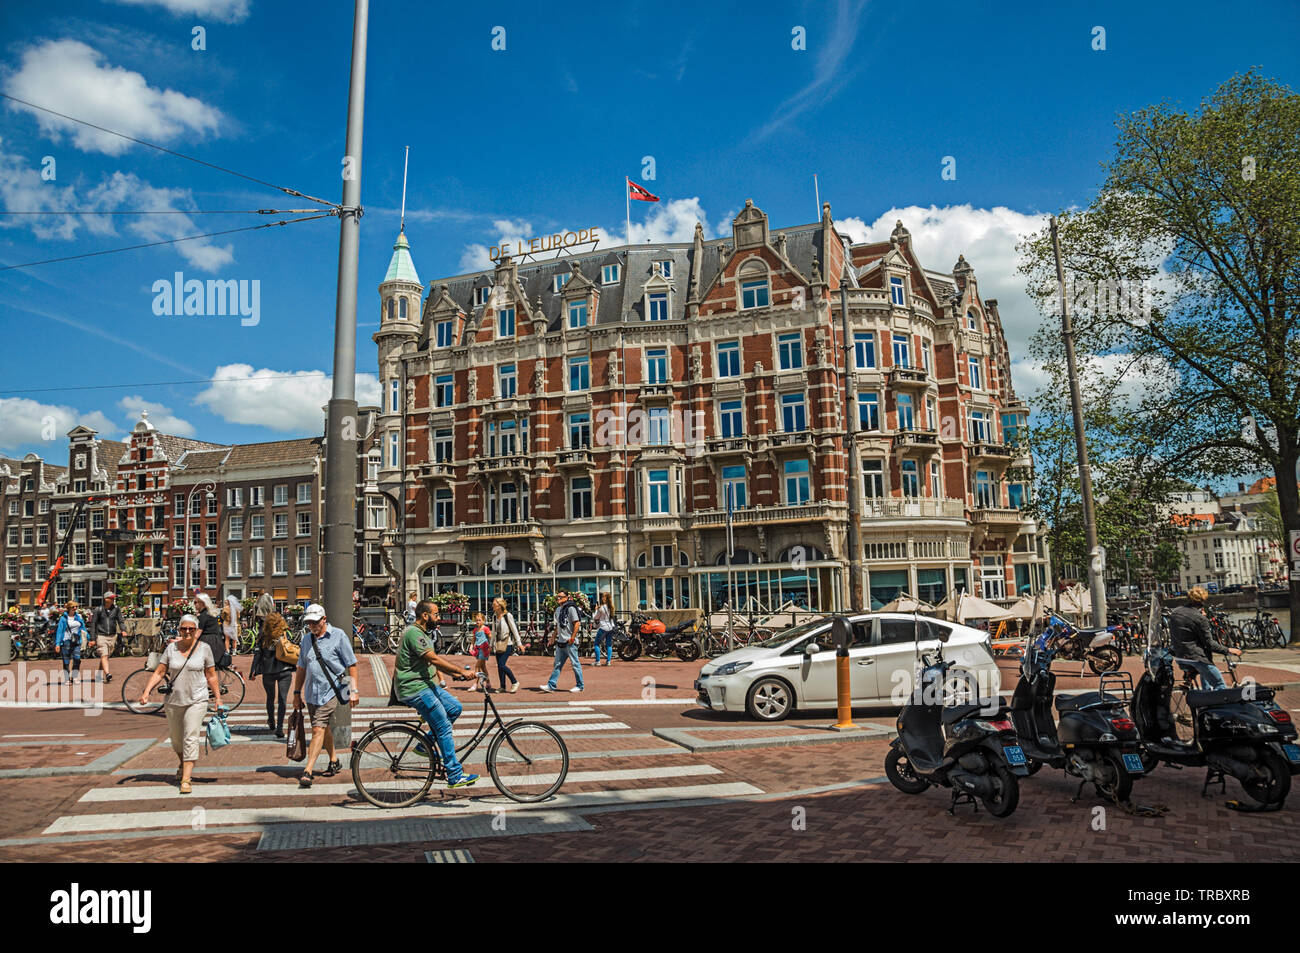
[1188, 262]
[132, 582]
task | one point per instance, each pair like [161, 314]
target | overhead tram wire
[173, 152]
[169, 241]
[170, 211]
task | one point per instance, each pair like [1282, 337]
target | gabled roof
[302, 450]
[197, 459]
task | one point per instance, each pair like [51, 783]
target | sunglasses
[188, 628]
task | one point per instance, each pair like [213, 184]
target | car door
[896, 641]
[813, 676]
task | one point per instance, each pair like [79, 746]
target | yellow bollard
[843, 691]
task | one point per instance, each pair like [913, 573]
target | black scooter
[1096, 742]
[969, 748]
[1238, 731]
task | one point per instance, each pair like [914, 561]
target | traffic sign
[1295, 545]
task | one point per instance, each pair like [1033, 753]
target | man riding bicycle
[1190, 638]
[416, 683]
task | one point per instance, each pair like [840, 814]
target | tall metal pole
[851, 451]
[341, 427]
[1096, 569]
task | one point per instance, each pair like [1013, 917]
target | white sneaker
[575, 689]
[514, 688]
[546, 688]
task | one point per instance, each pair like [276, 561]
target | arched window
[640, 561]
[583, 564]
[754, 285]
[510, 566]
[401, 308]
[741, 557]
[392, 305]
[800, 552]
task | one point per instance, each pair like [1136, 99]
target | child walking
[482, 649]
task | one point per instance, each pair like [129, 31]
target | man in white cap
[324, 656]
[105, 624]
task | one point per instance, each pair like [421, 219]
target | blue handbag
[218, 730]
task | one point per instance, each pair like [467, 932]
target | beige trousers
[185, 723]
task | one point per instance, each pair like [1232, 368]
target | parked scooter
[969, 748]
[1096, 742]
[1238, 731]
[655, 639]
[1073, 644]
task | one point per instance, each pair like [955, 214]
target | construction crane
[63, 546]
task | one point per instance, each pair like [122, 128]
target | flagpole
[627, 200]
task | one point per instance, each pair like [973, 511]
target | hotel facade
[585, 422]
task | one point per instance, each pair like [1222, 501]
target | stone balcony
[993, 452]
[434, 470]
[727, 446]
[923, 440]
[908, 378]
[920, 508]
[512, 462]
[780, 513]
[468, 532]
[656, 392]
[794, 440]
[997, 518]
[577, 457]
[666, 523]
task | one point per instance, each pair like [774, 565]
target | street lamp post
[190, 548]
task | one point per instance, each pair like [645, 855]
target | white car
[796, 667]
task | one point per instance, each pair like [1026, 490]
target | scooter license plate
[1014, 754]
[1133, 764]
[1292, 753]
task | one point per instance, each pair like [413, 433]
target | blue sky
[526, 140]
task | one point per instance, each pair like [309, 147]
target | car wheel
[770, 700]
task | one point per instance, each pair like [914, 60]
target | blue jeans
[605, 637]
[568, 651]
[71, 649]
[503, 670]
[1211, 677]
[439, 708]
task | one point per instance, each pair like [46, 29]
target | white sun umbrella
[947, 607]
[905, 603]
[973, 607]
[1076, 601]
[1023, 608]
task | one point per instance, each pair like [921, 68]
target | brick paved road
[633, 795]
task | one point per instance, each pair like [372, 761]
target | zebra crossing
[247, 786]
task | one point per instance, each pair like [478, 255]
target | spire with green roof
[400, 266]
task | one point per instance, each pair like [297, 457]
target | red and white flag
[641, 195]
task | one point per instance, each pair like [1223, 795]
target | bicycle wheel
[134, 685]
[528, 761]
[391, 767]
[231, 685]
[1182, 715]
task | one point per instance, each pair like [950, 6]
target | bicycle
[374, 639]
[396, 762]
[230, 685]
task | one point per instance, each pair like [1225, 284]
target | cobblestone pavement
[95, 785]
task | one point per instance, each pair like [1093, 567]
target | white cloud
[286, 401]
[24, 422]
[72, 78]
[160, 415]
[223, 11]
[987, 237]
[22, 190]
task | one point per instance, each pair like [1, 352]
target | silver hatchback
[796, 667]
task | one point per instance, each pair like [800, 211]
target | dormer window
[481, 295]
[657, 306]
[559, 282]
[896, 292]
[665, 267]
[442, 334]
[577, 314]
[972, 323]
[506, 323]
[753, 294]
[609, 275]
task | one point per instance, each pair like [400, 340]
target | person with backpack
[275, 659]
[69, 639]
[567, 619]
[505, 642]
[326, 653]
[187, 663]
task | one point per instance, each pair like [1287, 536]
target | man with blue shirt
[323, 658]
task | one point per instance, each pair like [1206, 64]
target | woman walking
[505, 642]
[187, 663]
[276, 672]
[604, 619]
[210, 629]
[69, 640]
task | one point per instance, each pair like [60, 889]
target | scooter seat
[1083, 700]
[1093, 630]
[1216, 697]
[955, 713]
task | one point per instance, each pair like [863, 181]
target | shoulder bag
[329, 673]
[286, 651]
[296, 743]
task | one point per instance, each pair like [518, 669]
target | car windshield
[786, 636]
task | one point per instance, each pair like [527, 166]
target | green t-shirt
[414, 672]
